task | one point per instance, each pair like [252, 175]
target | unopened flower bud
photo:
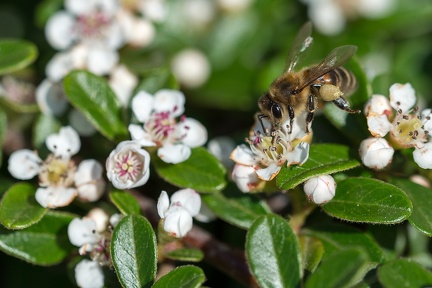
[376, 153]
[320, 189]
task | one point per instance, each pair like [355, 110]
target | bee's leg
[341, 103]
[291, 116]
[311, 111]
[260, 116]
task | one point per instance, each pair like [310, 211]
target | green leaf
[201, 172]
[338, 237]
[92, 95]
[404, 273]
[133, 251]
[342, 269]
[323, 159]
[370, 201]
[44, 126]
[421, 218]
[186, 254]
[125, 202]
[44, 243]
[3, 128]
[236, 208]
[182, 277]
[273, 253]
[19, 209]
[312, 251]
[16, 55]
[156, 80]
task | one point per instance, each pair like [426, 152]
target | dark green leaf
[44, 243]
[182, 277]
[201, 172]
[369, 200]
[133, 251]
[421, 217]
[312, 251]
[323, 159]
[236, 208]
[44, 126]
[16, 55]
[186, 254]
[3, 128]
[92, 95]
[342, 269]
[19, 209]
[125, 202]
[340, 237]
[404, 273]
[273, 253]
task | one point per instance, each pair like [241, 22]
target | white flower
[178, 212]
[122, 82]
[24, 164]
[128, 165]
[89, 274]
[376, 153]
[320, 189]
[88, 180]
[164, 126]
[51, 98]
[64, 144]
[191, 68]
[100, 217]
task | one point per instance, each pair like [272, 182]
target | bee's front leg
[311, 111]
[341, 103]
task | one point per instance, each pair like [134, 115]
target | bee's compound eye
[276, 111]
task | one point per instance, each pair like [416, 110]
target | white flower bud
[82, 232]
[191, 68]
[320, 189]
[376, 153]
[100, 217]
[89, 274]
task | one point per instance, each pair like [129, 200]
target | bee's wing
[334, 59]
[301, 42]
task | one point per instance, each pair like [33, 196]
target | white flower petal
[141, 32]
[245, 178]
[189, 199]
[163, 204]
[378, 125]
[88, 171]
[81, 7]
[243, 155]
[89, 274]
[327, 17]
[427, 120]
[423, 156]
[221, 147]
[116, 37]
[101, 61]
[167, 100]
[378, 105]
[24, 164]
[178, 223]
[54, 197]
[174, 153]
[91, 192]
[59, 66]
[402, 96]
[115, 219]
[205, 215]
[65, 144]
[138, 134]
[268, 173]
[51, 98]
[122, 82]
[299, 155]
[100, 217]
[191, 132]
[142, 106]
[191, 68]
[376, 153]
[59, 30]
[320, 189]
[83, 231]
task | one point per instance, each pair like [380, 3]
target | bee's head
[270, 108]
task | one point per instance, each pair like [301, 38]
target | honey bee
[295, 92]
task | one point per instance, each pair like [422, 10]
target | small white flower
[83, 233]
[178, 212]
[191, 68]
[24, 164]
[88, 180]
[128, 165]
[320, 189]
[89, 274]
[64, 144]
[402, 96]
[376, 153]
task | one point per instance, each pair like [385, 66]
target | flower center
[408, 130]
[129, 166]
[161, 127]
[57, 172]
[270, 149]
[92, 25]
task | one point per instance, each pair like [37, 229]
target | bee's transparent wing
[337, 57]
[301, 42]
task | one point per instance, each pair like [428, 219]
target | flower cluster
[59, 179]
[267, 152]
[401, 123]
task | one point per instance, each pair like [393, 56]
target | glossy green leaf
[125, 202]
[92, 95]
[201, 172]
[44, 126]
[369, 200]
[342, 269]
[312, 251]
[323, 159]
[402, 273]
[16, 55]
[236, 208]
[421, 217]
[273, 253]
[19, 209]
[133, 251]
[186, 254]
[337, 237]
[44, 243]
[187, 276]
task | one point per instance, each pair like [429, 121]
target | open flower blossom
[401, 123]
[177, 214]
[59, 179]
[267, 152]
[320, 189]
[165, 126]
[128, 165]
